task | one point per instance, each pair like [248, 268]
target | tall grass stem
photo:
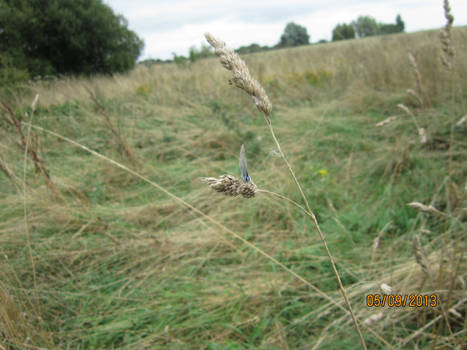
[243, 80]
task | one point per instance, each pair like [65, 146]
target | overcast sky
[174, 26]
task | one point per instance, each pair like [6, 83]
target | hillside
[128, 248]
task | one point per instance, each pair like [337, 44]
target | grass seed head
[454, 312]
[247, 190]
[412, 92]
[387, 121]
[461, 121]
[405, 109]
[231, 186]
[420, 257]
[447, 51]
[417, 75]
[386, 289]
[241, 75]
[423, 136]
[376, 243]
[372, 319]
[424, 208]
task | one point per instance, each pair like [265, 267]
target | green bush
[9, 75]
[66, 36]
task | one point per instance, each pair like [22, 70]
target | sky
[173, 26]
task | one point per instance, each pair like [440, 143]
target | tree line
[365, 26]
[56, 37]
[297, 35]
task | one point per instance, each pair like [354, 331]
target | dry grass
[350, 68]
[135, 259]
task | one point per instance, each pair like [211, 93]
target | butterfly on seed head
[243, 165]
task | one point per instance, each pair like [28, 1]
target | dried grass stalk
[460, 281]
[461, 121]
[423, 136]
[425, 231]
[424, 208]
[114, 129]
[231, 186]
[241, 75]
[372, 319]
[4, 169]
[242, 79]
[387, 121]
[418, 77]
[447, 50]
[376, 243]
[34, 103]
[27, 141]
[420, 255]
[455, 313]
[386, 289]
[405, 109]
[412, 92]
[421, 131]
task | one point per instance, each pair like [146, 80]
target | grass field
[96, 256]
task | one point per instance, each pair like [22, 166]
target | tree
[179, 59]
[294, 35]
[342, 32]
[400, 23]
[66, 36]
[365, 26]
[388, 28]
[195, 54]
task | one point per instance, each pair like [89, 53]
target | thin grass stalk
[420, 256]
[321, 235]
[4, 169]
[447, 59]
[25, 212]
[243, 80]
[16, 122]
[418, 78]
[286, 199]
[115, 130]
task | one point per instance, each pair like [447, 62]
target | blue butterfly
[243, 166]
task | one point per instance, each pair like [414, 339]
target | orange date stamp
[402, 300]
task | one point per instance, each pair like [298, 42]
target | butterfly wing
[243, 165]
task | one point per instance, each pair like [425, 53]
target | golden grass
[378, 63]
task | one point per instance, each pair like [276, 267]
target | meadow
[105, 250]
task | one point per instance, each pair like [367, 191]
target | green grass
[119, 264]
